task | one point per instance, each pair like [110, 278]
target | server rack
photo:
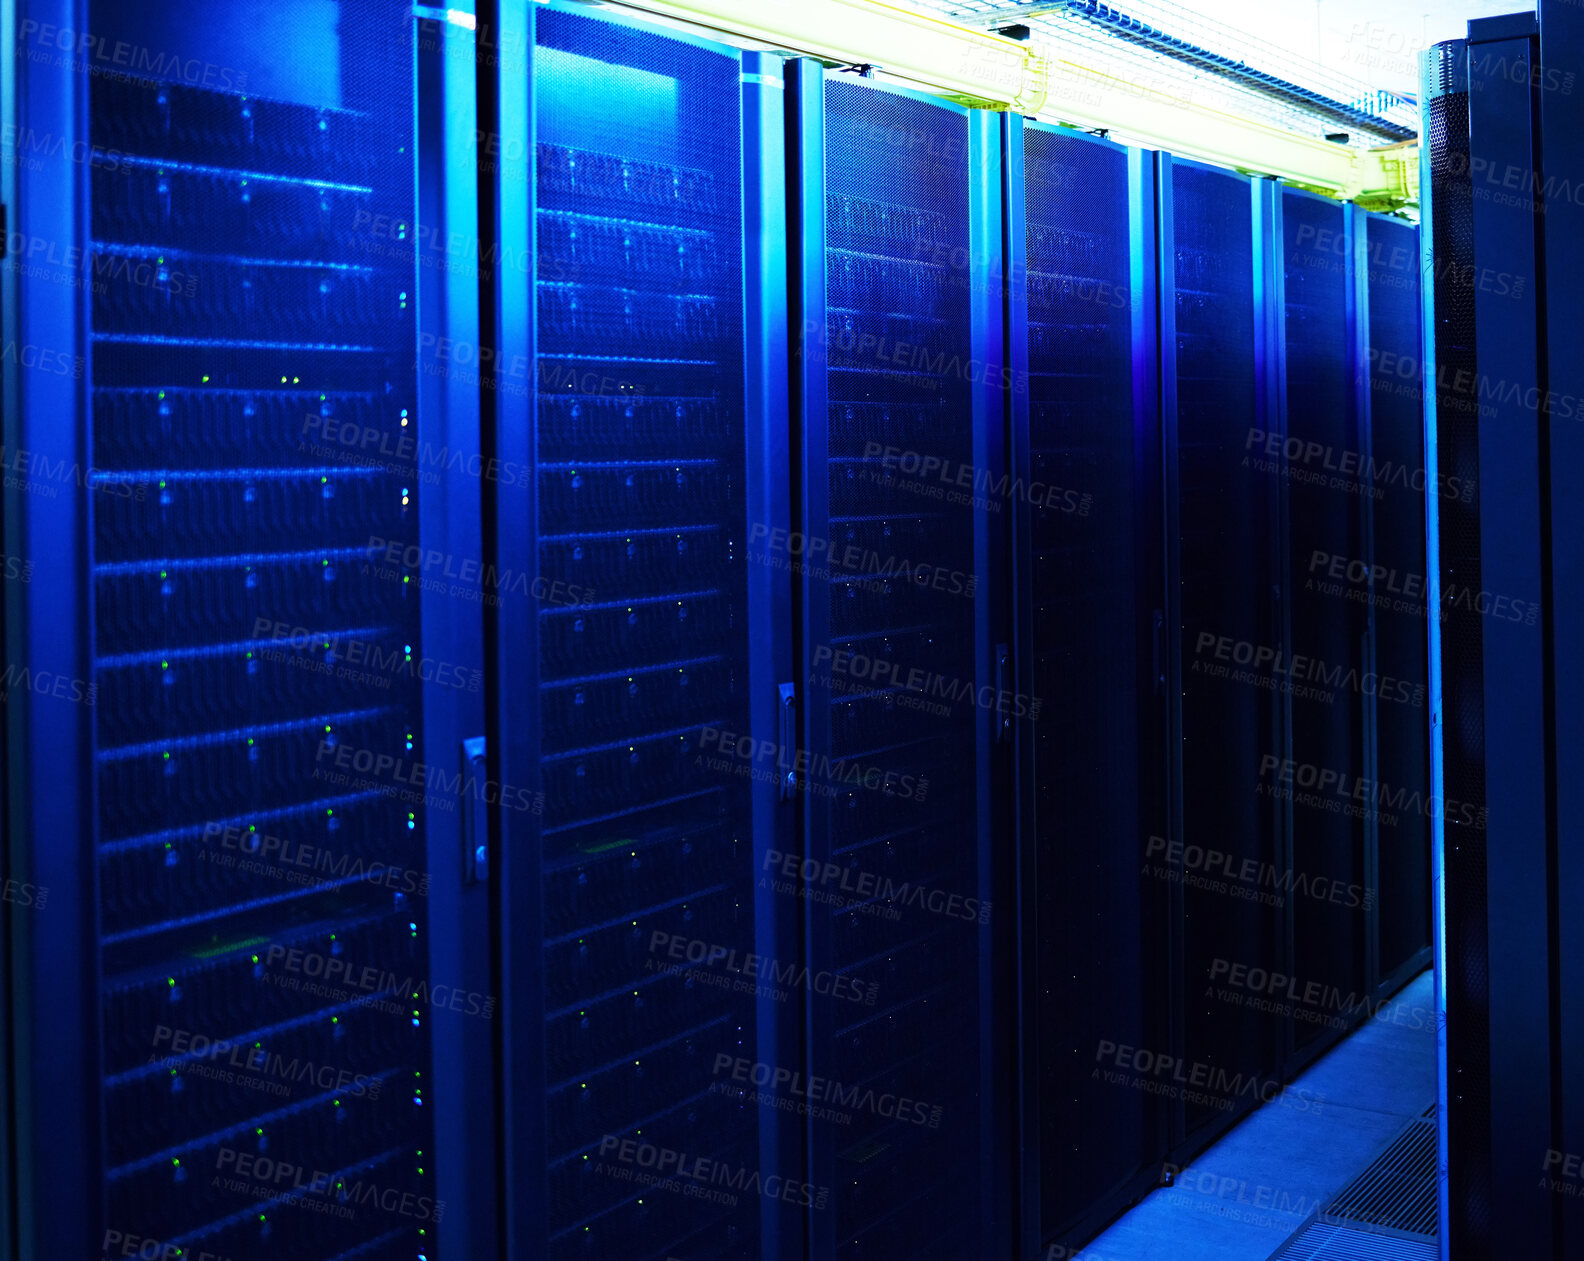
[226, 1032]
[1499, 312]
[896, 397]
[1399, 803]
[1328, 495]
[450, 517]
[1467, 1128]
[1221, 413]
[638, 689]
[1090, 643]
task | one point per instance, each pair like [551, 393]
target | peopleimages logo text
[120, 1243]
[1327, 782]
[339, 970]
[817, 772]
[1250, 878]
[976, 482]
[1218, 1081]
[1267, 665]
[808, 549]
[435, 566]
[761, 968]
[867, 885]
[330, 863]
[120, 59]
[681, 1171]
[389, 768]
[183, 1045]
[1353, 464]
[287, 1180]
[860, 673]
[825, 1090]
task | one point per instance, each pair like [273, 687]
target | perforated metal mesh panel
[260, 825]
[640, 453]
[1387, 1213]
[1227, 531]
[1095, 761]
[1401, 625]
[1326, 489]
[1323, 1242]
[1398, 1190]
[899, 376]
[1462, 652]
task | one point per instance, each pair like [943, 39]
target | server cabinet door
[452, 477]
[1401, 805]
[1329, 486]
[639, 680]
[1090, 587]
[1223, 443]
[1459, 891]
[896, 658]
[243, 992]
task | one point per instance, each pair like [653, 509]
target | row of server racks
[619, 647]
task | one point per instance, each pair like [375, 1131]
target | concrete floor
[1243, 1197]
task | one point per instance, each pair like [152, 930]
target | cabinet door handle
[1003, 721]
[786, 739]
[475, 814]
[1158, 652]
